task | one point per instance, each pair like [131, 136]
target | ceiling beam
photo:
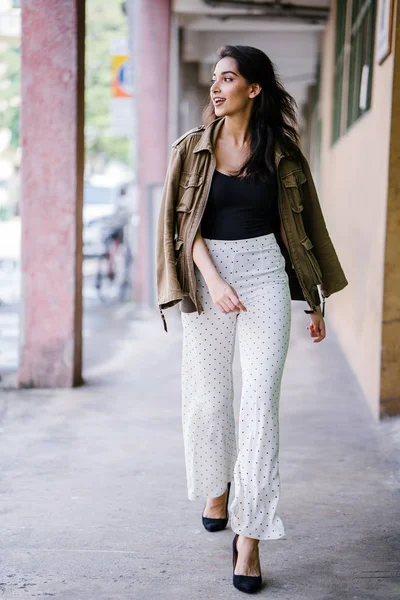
[275, 9]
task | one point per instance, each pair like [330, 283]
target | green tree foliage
[10, 92]
[104, 22]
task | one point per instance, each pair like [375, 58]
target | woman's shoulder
[192, 134]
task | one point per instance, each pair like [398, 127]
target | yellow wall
[354, 185]
[390, 364]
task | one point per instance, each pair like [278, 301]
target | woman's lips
[219, 101]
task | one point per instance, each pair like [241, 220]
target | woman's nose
[215, 87]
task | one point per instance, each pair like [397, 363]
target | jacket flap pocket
[291, 182]
[188, 180]
[307, 243]
[183, 206]
[294, 179]
[178, 245]
[296, 205]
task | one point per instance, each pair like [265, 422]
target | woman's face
[230, 92]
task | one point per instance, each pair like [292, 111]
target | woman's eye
[225, 79]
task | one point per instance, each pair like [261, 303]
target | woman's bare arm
[202, 258]
[223, 295]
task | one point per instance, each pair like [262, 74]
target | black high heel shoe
[217, 524]
[244, 583]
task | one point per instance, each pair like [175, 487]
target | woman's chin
[219, 111]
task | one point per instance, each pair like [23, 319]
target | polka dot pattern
[215, 452]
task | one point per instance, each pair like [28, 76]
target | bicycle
[113, 277]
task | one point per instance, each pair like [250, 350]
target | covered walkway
[94, 500]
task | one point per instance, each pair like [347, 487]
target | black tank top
[238, 209]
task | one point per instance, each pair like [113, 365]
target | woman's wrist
[212, 276]
[313, 310]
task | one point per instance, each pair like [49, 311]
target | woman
[238, 213]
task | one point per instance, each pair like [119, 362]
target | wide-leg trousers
[215, 452]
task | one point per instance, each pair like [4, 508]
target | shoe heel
[213, 525]
[244, 583]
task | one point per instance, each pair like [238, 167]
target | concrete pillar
[390, 348]
[152, 68]
[52, 114]
[174, 80]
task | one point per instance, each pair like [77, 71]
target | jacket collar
[210, 134]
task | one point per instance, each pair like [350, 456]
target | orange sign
[121, 80]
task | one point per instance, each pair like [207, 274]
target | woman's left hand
[317, 326]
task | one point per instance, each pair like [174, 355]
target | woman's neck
[235, 131]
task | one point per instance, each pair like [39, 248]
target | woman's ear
[255, 89]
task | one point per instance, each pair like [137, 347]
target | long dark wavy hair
[273, 117]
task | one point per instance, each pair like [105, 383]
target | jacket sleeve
[333, 277]
[169, 291]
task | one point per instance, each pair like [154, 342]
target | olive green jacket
[311, 259]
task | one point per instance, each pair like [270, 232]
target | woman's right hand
[224, 296]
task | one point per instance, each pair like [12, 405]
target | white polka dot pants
[255, 268]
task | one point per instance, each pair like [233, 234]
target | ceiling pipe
[276, 9]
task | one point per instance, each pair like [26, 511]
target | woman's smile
[218, 101]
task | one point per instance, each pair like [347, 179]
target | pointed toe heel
[244, 583]
[217, 524]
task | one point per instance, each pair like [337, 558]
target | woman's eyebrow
[225, 72]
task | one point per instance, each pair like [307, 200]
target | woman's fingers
[225, 297]
[321, 332]
[231, 304]
[223, 306]
[317, 330]
[241, 306]
[236, 300]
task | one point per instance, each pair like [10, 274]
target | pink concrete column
[52, 113]
[152, 116]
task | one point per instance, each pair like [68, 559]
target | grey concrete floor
[93, 492]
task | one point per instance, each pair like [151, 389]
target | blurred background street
[110, 211]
